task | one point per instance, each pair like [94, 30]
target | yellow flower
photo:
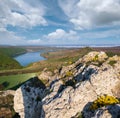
[104, 100]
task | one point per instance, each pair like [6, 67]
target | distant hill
[12, 51]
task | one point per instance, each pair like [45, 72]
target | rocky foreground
[70, 91]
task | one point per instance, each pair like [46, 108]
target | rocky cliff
[71, 90]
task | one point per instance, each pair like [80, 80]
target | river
[29, 57]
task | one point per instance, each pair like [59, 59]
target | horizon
[60, 22]
[65, 45]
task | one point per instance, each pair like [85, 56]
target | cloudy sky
[61, 22]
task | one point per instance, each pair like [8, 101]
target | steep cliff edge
[70, 89]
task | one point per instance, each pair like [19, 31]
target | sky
[59, 22]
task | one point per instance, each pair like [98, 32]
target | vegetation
[112, 62]
[12, 51]
[6, 60]
[110, 53]
[55, 60]
[104, 100]
[95, 58]
[69, 73]
[62, 57]
[14, 81]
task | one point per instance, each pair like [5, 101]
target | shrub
[69, 73]
[70, 62]
[112, 62]
[104, 100]
[95, 58]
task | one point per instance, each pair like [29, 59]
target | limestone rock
[45, 75]
[27, 99]
[95, 81]
[111, 111]
[99, 56]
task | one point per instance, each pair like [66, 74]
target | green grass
[13, 81]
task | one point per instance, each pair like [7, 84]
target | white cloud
[21, 13]
[91, 13]
[9, 38]
[62, 37]
[36, 42]
[113, 33]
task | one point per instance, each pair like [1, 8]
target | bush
[112, 62]
[95, 58]
[69, 73]
[104, 100]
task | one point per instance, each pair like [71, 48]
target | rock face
[27, 99]
[111, 111]
[73, 89]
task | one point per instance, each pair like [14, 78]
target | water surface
[29, 57]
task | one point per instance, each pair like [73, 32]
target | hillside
[7, 62]
[12, 51]
[6, 57]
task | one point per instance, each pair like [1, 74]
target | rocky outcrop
[27, 99]
[90, 82]
[72, 88]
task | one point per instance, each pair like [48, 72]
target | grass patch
[13, 81]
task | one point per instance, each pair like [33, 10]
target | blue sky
[59, 22]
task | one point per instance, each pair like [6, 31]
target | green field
[14, 81]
